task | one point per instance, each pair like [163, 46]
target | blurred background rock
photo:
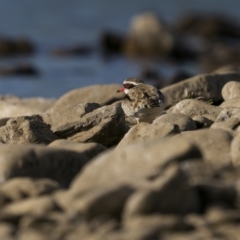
[50, 47]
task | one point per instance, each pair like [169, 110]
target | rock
[213, 143]
[184, 122]
[77, 50]
[32, 206]
[10, 47]
[20, 69]
[228, 68]
[25, 130]
[111, 43]
[81, 123]
[108, 201]
[231, 90]
[18, 188]
[208, 86]
[12, 106]
[209, 26]
[227, 119]
[148, 37]
[144, 131]
[40, 162]
[218, 54]
[135, 164]
[215, 191]
[231, 103]
[7, 231]
[193, 108]
[102, 94]
[203, 122]
[89, 149]
[171, 195]
[235, 151]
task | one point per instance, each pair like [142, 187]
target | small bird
[143, 102]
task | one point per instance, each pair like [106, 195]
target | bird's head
[130, 83]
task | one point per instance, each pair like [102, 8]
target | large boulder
[40, 162]
[88, 123]
[207, 86]
[231, 90]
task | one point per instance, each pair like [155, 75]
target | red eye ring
[126, 85]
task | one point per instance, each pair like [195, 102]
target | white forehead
[130, 82]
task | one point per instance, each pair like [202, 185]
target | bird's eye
[127, 85]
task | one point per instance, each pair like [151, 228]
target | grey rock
[235, 151]
[40, 162]
[228, 119]
[12, 106]
[193, 107]
[171, 195]
[103, 125]
[102, 201]
[231, 90]
[144, 131]
[231, 103]
[202, 121]
[213, 143]
[135, 163]
[25, 130]
[18, 188]
[102, 94]
[184, 122]
[208, 86]
[89, 149]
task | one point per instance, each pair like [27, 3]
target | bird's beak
[121, 89]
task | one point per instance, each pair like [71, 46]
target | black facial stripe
[129, 85]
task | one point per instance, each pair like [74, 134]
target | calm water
[56, 23]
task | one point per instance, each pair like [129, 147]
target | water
[59, 23]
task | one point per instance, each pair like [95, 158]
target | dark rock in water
[10, 47]
[209, 26]
[111, 43]
[78, 50]
[21, 69]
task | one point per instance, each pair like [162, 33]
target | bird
[142, 101]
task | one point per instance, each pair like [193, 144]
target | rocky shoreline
[76, 168]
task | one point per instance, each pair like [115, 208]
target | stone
[231, 103]
[235, 150]
[102, 94]
[7, 231]
[171, 195]
[13, 106]
[18, 46]
[213, 143]
[203, 122]
[207, 86]
[231, 90]
[16, 189]
[40, 162]
[148, 37]
[135, 164]
[75, 50]
[228, 119]
[89, 149]
[25, 130]
[31, 206]
[20, 69]
[98, 125]
[144, 131]
[184, 122]
[193, 108]
[105, 201]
